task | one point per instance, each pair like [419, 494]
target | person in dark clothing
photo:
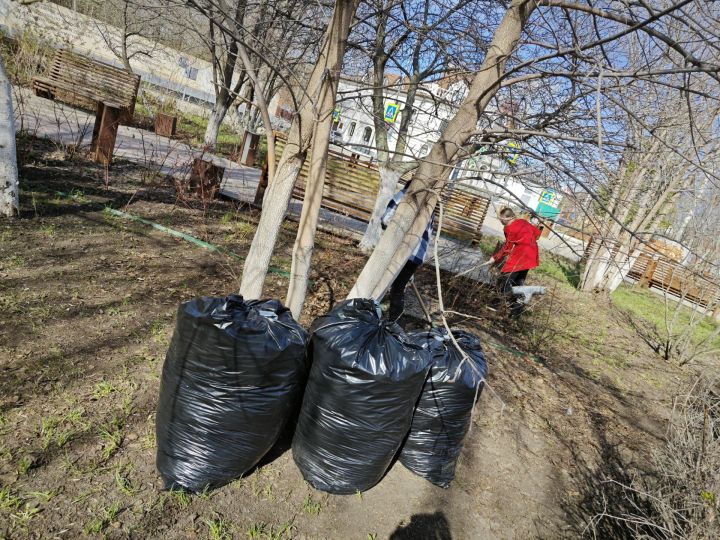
[417, 258]
[522, 253]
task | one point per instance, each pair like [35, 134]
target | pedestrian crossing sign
[391, 111]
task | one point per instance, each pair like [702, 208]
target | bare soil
[87, 307]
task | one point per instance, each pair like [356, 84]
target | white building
[355, 128]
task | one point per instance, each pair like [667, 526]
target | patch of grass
[148, 441]
[650, 307]
[24, 465]
[47, 430]
[94, 526]
[44, 496]
[564, 271]
[111, 437]
[103, 389]
[8, 500]
[206, 494]
[157, 331]
[268, 532]
[123, 482]
[193, 127]
[25, 516]
[182, 497]
[310, 507]
[99, 524]
[218, 528]
[488, 243]
[75, 417]
[48, 229]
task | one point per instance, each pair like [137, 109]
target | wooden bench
[84, 83]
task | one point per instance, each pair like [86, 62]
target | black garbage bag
[365, 378]
[442, 414]
[232, 377]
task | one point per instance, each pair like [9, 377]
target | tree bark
[9, 186]
[214, 122]
[277, 197]
[389, 178]
[413, 214]
[305, 240]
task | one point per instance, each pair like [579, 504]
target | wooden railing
[351, 187]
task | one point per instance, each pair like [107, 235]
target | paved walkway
[53, 120]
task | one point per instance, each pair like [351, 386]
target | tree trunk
[303, 248]
[9, 186]
[213, 127]
[277, 197]
[389, 179]
[413, 214]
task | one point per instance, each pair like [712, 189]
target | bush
[681, 498]
[24, 57]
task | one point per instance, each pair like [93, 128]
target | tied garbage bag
[442, 415]
[232, 377]
[365, 378]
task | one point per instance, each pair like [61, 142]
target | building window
[367, 134]
[351, 130]
[424, 150]
[191, 73]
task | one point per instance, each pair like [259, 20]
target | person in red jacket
[522, 253]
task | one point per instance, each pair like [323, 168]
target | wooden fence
[653, 271]
[351, 187]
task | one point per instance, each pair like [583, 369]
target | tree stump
[205, 178]
[107, 120]
[165, 125]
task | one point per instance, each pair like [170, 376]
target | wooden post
[262, 186]
[646, 278]
[105, 130]
[205, 178]
[249, 148]
[547, 227]
[165, 125]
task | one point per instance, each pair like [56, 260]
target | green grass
[560, 269]
[650, 307]
[193, 126]
[218, 528]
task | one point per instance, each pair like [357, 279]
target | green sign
[336, 114]
[549, 205]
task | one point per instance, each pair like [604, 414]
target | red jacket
[520, 247]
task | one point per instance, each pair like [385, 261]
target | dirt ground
[88, 301]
